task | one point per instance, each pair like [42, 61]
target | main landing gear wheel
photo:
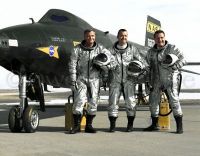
[30, 119]
[14, 121]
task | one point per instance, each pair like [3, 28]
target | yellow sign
[152, 27]
[76, 43]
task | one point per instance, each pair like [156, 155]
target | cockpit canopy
[55, 16]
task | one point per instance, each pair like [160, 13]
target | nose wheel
[29, 121]
[14, 121]
[23, 116]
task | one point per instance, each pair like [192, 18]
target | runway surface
[52, 139]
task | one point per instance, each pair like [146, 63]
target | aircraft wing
[189, 71]
[193, 63]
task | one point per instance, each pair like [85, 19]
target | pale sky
[180, 19]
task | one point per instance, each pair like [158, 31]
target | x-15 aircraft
[39, 52]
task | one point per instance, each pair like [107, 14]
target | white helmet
[101, 60]
[135, 68]
[170, 59]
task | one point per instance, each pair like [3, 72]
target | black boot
[88, 127]
[112, 123]
[154, 126]
[179, 124]
[130, 123]
[77, 121]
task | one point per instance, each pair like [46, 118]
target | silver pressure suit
[85, 77]
[164, 78]
[119, 82]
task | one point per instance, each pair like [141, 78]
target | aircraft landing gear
[14, 121]
[23, 116]
[30, 119]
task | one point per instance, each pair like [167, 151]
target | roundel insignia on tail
[51, 51]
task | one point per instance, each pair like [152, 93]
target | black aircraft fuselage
[44, 47]
[39, 53]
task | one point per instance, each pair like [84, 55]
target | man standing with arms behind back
[164, 60]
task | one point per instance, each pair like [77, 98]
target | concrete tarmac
[51, 139]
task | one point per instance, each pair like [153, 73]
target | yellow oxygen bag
[164, 115]
[69, 121]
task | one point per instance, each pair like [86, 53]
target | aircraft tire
[15, 123]
[30, 119]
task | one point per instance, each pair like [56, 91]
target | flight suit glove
[174, 67]
[104, 68]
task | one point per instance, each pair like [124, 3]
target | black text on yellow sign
[151, 27]
[76, 43]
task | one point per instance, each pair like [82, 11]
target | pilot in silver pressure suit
[124, 53]
[164, 61]
[85, 79]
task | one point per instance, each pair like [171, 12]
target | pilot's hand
[74, 86]
[142, 75]
[95, 62]
[117, 69]
[166, 66]
[174, 67]
[104, 68]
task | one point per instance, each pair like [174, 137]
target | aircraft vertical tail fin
[151, 26]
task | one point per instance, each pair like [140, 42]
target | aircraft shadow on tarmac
[52, 112]
[49, 113]
[119, 129]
